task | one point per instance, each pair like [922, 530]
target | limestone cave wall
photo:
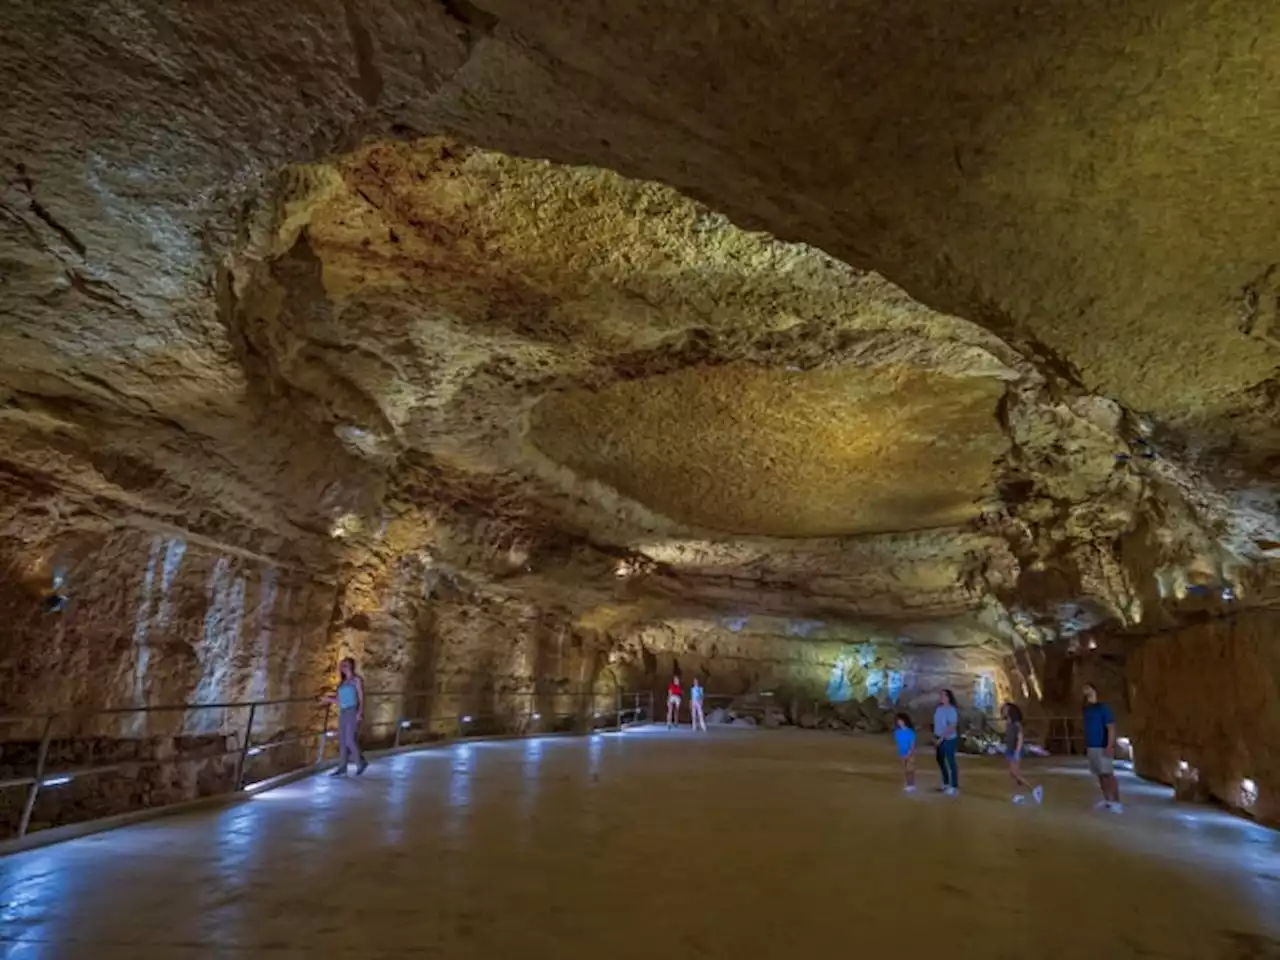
[149, 618]
[1205, 695]
[129, 618]
[811, 660]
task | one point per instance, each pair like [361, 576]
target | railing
[151, 757]
[64, 768]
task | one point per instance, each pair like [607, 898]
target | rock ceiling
[893, 312]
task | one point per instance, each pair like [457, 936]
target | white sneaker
[1102, 805]
[1019, 798]
[909, 789]
[1116, 807]
[1038, 793]
[951, 791]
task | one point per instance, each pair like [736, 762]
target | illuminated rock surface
[485, 328]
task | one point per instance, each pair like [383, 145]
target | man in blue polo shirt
[1100, 747]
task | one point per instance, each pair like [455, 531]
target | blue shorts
[1012, 755]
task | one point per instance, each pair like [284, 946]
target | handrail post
[244, 748]
[324, 734]
[399, 719]
[41, 758]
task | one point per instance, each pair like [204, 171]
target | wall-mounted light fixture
[1248, 792]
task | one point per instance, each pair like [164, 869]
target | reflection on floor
[655, 844]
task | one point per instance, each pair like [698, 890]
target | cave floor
[733, 844]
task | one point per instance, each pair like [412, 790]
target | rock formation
[516, 347]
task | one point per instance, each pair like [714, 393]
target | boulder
[849, 711]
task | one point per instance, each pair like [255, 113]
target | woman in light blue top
[946, 730]
[695, 706]
[350, 700]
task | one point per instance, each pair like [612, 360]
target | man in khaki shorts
[1100, 747]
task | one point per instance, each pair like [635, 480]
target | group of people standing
[1099, 736]
[675, 696]
[1099, 739]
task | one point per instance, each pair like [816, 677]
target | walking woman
[695, 706]
[1013, 746]
[946, 730]
[674, 696]
[350, 700]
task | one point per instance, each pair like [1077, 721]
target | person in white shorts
[673, 702]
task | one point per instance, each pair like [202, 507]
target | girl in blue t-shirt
[904, 738]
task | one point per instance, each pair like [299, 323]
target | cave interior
[828, 351]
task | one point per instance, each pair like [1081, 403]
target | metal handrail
[242, 704]
[525, 718]
[456, 724]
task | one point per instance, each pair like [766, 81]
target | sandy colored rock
[786, 454]
[1205, 696]
[448, 334]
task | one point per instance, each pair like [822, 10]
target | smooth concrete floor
[733, 844]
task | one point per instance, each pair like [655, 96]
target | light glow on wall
[345, 525]
[897, 680]
[839, 689]
[984, 691]
[1248, 792]
[875, 683]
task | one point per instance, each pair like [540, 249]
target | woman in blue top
[946, 730]
[695, 706]
[350, 700]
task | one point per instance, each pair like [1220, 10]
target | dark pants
[946, 754]
[348, 732]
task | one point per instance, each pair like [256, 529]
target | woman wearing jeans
[350, 700]
[946, 729]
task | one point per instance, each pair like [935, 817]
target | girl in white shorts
[674, 696]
